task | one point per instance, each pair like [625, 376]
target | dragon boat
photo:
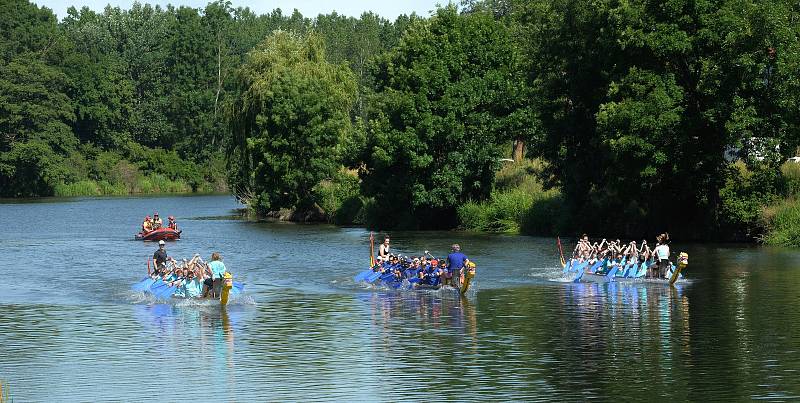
[161, 234]
[165, 291]
[388, 279]
[605, 271]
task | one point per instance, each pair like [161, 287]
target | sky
[309, 8]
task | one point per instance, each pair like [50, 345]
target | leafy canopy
[288, 122]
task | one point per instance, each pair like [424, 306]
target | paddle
[143, 285]
[567, 267]
[597, 265]
[362, 275]
[611, 273]
[561, 252]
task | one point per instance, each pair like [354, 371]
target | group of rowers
[152, 224]
[193, 278]
[617, 254]
[424, 270]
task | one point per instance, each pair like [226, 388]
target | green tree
[445, 105]
[640, 101]
[288, 121]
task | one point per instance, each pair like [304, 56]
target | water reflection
[187, 328]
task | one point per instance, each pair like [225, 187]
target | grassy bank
[150, 184]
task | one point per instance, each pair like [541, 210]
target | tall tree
[640, 101]
[289, 120]
[445, 105]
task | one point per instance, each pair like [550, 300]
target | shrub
[340, 199]
[791, 177]
[782, 223]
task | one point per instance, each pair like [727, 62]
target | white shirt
[662, 251]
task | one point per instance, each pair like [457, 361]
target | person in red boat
[147, 225]
[157, 223]
[171, 223]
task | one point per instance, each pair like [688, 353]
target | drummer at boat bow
[383, 249]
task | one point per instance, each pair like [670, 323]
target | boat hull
[597, 278]
[161, 234]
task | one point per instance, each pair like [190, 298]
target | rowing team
[616, 254]
[193, 278]
[431, 272]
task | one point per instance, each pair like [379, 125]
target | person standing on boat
[455, 263]
[383, 250]
[662, 254]
[218, 269]
[160, 257]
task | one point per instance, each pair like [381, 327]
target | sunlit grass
[782, 222]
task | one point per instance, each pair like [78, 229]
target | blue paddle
[362, 276]
[567, 267]
[597, 265]
[374, 276]
[611, 273]
[143, 285]
[167, 292]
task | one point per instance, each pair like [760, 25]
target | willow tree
[289, 120]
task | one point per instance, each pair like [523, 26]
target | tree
[288, 122]
[640, 100]
[444, 107]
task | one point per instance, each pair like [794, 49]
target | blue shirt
[456, 260]
[193, 288]
[217, 269]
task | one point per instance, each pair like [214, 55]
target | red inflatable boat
[166, 234]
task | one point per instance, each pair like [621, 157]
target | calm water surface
[70, 329]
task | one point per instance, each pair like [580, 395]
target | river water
[70, 329]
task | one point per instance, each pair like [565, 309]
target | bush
[791, 177]
[340, 199]
[782, 223]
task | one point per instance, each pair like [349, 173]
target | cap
[155, 214]
[170, 218]
[161, 242]
[147, 217]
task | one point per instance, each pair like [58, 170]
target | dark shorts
[208, 282]
[663, 266]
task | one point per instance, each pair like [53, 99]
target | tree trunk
[519, 150]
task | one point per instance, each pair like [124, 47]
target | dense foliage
[643, 116]
[447, 97]
[288, 122]
[133, 100]
[641, 100]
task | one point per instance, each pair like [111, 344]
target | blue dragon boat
[604, 271]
